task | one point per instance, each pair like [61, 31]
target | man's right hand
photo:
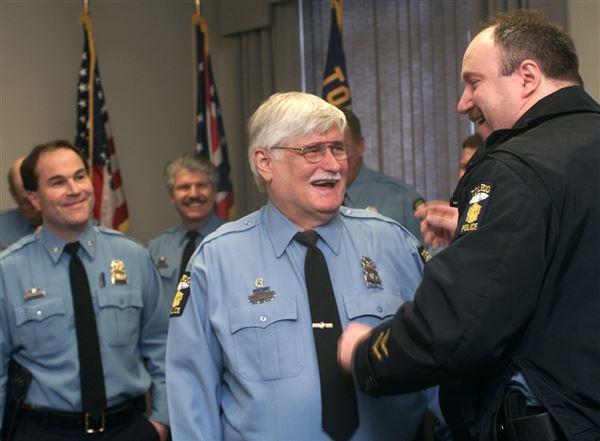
[438, 222]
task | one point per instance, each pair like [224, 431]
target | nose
[72, 186]
[465, 103]
[194, 191]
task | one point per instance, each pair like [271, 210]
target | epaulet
[362, 213]
[111, 232]
[19, 244]
[243, 224]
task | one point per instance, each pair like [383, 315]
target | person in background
[20, 221]
[435, 215]
[251, 352]
[469, 147]
[370, 189]
[81, 316]
[191, 180]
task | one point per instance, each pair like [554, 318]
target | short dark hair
[353, 124]
[28, 173]
[472, 142]
[527, 34]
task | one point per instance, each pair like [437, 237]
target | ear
[361, 147]
[34, 200]
[263, 162]
[531, 76]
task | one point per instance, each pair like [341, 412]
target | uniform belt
[519, 422]
[112, 416]
[538, 427]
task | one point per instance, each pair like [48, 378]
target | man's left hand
[350, 338]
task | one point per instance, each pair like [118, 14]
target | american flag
[336, 89]
[210, 135]
[95, 140]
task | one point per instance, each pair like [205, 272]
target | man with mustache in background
[191, 180]
[251, 352]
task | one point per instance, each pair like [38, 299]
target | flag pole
[197, 6]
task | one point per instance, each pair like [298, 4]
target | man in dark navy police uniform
[506, 317]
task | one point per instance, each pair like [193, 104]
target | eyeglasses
[314, 153]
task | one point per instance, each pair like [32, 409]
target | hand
[350, 338]
[438, 222]
[161, 429]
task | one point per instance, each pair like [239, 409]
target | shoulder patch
[181, 296]
[479, 197]
[425, 255]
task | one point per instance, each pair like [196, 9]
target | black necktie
[339, 414]
[93, 394]
[189, 249]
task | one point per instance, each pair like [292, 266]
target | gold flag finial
[197, 6]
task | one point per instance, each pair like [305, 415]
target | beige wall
[584, 27]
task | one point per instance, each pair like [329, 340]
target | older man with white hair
[253, 332]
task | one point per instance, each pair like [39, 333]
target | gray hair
[285, 117]
[191, 162]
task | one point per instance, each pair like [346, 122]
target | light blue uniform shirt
[13, 226]
[385, 195]
[241, 370]
[166, 250]
[39, 331]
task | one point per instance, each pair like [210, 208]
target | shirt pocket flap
[121, 299]
[262, 315]
[39, 311]
[167, 272]
[381, 304]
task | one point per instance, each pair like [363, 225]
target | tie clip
[322, 325]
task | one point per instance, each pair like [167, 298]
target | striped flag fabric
[94, 137]
[210, 134]
[336, 88]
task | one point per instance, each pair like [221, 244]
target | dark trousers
[138, 428]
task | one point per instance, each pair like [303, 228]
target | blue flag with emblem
[336, 89]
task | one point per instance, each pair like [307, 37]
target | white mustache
[328, 177]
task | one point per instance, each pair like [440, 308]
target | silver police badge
[370, 274]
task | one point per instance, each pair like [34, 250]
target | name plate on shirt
[261, 295]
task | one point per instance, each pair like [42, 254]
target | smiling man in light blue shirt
[39, 329]
[241, 355]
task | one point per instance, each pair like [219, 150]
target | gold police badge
[118, 276]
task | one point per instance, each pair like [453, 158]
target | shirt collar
[207, 227]
[55, 246]
[281, 231]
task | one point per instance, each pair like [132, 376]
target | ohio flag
[210, 135]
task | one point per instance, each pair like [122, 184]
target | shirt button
[247, 222]
[348, 211]
[379, 309]
[263, 318]
[39, 312]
